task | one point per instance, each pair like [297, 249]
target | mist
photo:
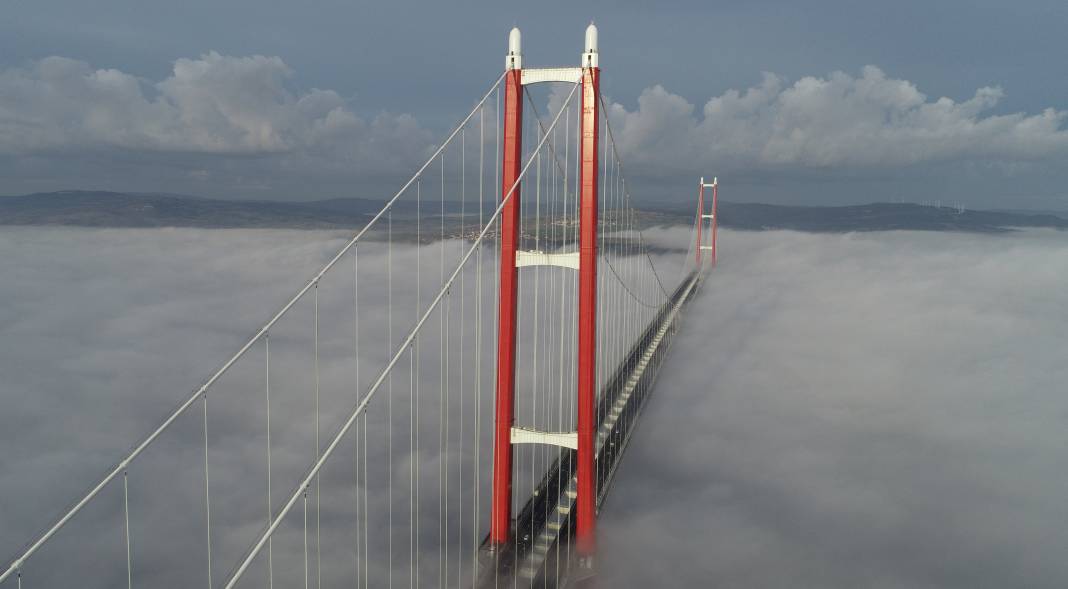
[858, 410]
[877, 410]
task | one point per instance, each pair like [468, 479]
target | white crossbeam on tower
[539, 258]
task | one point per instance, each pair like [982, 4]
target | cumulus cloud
[839, 120]
[216, 105]
[225, 125]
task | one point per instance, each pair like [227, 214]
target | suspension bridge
[444, 402]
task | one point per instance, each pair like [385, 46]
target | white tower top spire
[514, 59]
[589, 57]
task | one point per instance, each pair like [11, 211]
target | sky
[878, 410]
[825, 102]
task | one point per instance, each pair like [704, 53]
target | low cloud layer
[877, 410]
[104, 331]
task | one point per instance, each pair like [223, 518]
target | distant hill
[116, 209]
[880, 217]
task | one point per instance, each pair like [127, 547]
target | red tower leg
[700, 218]
[587, 334]
[715, 217]
[501, 509]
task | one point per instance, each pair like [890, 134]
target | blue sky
[844, 97]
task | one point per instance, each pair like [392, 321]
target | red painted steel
[700, 218]
[586, 499]
[715, 218]
[501, 508]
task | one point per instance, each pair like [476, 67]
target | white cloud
[235, 125]
[214, 104]
[876, 410]
[103, 330]
[219, 104]
[858, 410]
[839, 120]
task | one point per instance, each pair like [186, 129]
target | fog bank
[874, 410]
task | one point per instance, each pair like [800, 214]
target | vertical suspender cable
[563, 314]
[305, 539]
[417, 402]
[318, 482]
[602, 289]
[460, 352]
[366, 511]
[478, 362]
[496, 295]
[207, 490]
[389, 390]
[126, 518]
[441, 388]
[270, 516]
[536, 324]
[414, 531]
[445, 438]
[413, 457]
[356, 433]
